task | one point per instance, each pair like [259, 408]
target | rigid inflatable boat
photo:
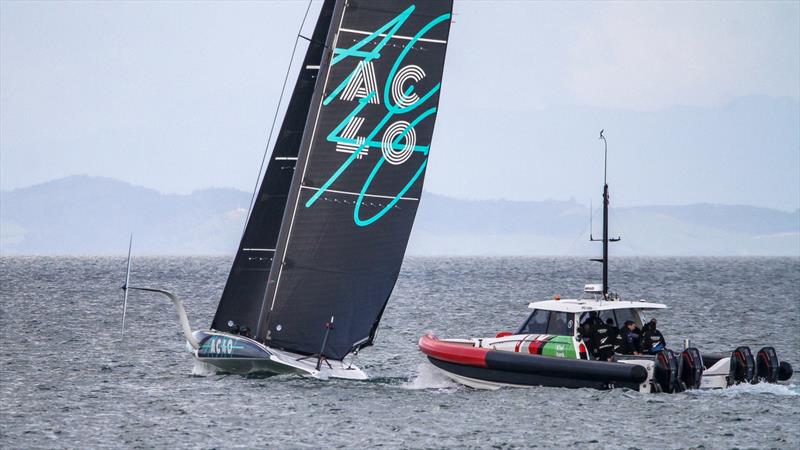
[549, 349]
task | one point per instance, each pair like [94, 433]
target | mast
[605, 238]
[241, 301]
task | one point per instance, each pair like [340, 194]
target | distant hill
[91, 215]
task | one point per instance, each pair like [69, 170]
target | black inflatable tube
[568, 368]
[526, 379]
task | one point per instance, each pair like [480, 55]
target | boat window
[537, 323]
[623, 315]
[587, 316]
[609, 314]
[560, 324]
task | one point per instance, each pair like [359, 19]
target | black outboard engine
[665, 375]
[785, 371]
[767, 365]
[691, 368]
[743, 366]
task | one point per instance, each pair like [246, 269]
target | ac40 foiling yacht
[550, 349]
[331, 217]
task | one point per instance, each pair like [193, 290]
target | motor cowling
[666, 371]
[743, 366]
[691, 368]
[785, 371]
[767, 366]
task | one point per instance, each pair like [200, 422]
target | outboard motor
[785, 371]
[691, 368]
[767, 365]
[666, 372]
[743, 367]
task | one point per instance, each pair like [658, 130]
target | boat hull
[229, 353]
[485, 378]
[489, 369]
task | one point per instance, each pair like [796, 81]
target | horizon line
[546, 200]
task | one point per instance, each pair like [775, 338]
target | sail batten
[396, 36]
[334, 191]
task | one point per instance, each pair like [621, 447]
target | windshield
[548, 322]
[618, 316]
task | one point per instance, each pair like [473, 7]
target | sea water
[68, 379]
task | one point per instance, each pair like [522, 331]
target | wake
[428, 377]
[743, 389]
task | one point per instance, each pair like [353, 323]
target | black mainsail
[244, 291]
[354, 193]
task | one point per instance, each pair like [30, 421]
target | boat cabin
[553, 326]
[560, 317]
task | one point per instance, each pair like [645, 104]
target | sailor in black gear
[602, 340]
[652, 340]
[627, 342]
[587, 329]
[620, 346]
[586, 335]
[614, 330]
[617, 338]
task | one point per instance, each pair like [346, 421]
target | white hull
[241, 355]
[233, 353]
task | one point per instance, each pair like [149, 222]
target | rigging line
[275, 118]
[612, 214]
[583, 231]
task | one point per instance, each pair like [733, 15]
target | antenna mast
[605, 238]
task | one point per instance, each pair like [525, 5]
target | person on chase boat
[613, 330]
[603, 339]
[627, 342]
[652, 339]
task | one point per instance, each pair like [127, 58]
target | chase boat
[549, 350]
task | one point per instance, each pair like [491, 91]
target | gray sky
[700, 100]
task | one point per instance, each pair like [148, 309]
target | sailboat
[556, 346]
[330, 221]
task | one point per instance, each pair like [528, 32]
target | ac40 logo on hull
[218, 346]
[395, 132]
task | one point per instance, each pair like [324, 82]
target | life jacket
[652, 341]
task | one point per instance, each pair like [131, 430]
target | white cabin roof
[583, 305]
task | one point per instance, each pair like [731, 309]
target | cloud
[647, 55]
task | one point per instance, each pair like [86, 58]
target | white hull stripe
[396, 36]
[258, 249]
[358, 193]
[286, 158]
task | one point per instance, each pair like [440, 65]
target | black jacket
[603, 338]
[651, 339]
[628, 341]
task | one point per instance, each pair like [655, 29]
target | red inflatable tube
[453, 352]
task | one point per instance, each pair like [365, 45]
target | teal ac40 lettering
[394, 134]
